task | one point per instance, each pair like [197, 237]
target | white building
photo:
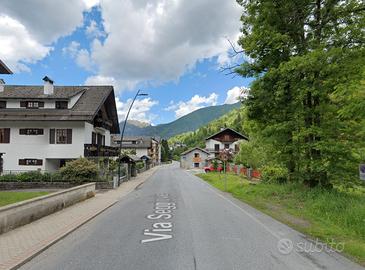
[41, 127]
[226, 138]
[142, 146]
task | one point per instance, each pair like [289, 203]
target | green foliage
[215, 164]
[274, 174]
[80, 169]
[165, 151]
[308, 59]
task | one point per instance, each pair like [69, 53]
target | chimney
[48, 86]
[2, 85]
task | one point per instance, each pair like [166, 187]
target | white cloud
[91, 3]
[233, 95]
[107, 80]
[93, 30]
[196, 102]
[159, 40]
[17, 46]
[72, 49]
[140, 110]
[27, 28]
[44, 19]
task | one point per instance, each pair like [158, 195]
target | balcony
[106, 124]
[94, 150]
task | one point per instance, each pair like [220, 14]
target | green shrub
[273, 174]
[80, 170]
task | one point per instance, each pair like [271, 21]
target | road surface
[177, 221]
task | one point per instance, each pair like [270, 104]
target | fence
[240, 169]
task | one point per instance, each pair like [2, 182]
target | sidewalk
[20, 245]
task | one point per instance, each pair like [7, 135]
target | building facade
[226, 138]
[141, 145]
[194, 158]
[42, 127]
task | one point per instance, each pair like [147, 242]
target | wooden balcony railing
[94, 150]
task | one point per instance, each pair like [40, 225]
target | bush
[80, 170]
[273, 174]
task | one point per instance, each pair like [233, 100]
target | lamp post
[122, 135]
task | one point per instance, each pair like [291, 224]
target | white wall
[38, 146]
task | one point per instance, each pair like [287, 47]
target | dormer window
[62, 105]
[32, 104]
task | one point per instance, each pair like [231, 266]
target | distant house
[194, 158]
[226, 138]
[41, 127]
[143, 146]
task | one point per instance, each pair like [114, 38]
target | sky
[173, 50]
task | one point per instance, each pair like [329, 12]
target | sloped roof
[194, 148]
[4, 69]
[230, 129]
[85, 109]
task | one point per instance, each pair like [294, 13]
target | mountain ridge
[188, 122]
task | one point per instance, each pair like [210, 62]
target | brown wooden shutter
[23, 104]
[69, 136]
[39, 162]
[40, 131]
[40, 104]
[21, 161]
[52, 133]
[22, 131]
[7, 135]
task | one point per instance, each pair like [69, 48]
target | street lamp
[124, 124]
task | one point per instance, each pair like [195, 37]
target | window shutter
[52, 136]
[40, 104]
[22, 131]
[39, 162]
[69, 136]
[7, 135]
[23, 104]
[40, 131]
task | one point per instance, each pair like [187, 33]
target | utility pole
[122, 135]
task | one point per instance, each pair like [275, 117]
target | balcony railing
[106, 124]
[94, 150]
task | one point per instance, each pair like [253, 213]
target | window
[61, 105]
[31, 131]
[60, 136]
[93, 137]
[4, 135]
[31, 162]
[216, 147]
[196, 165]
[2, 104]
[32, 104]
[196, 155]
[134, 142]
[226, 145]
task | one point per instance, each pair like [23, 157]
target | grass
[9, 197]
[335, 215]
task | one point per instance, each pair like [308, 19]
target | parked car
[211, 169]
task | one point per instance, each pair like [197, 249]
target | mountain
[189, 122]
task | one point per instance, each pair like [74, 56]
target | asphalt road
[177, 221]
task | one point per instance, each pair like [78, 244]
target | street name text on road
[163, 212]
